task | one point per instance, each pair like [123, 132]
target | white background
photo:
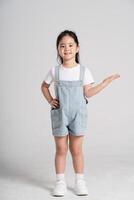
[27, 51]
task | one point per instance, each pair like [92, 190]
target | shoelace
[81, 183]
[60, 183]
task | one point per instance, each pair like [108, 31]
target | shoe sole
[58, 195]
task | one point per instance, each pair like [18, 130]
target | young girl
[73, 85]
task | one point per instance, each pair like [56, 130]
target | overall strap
[82, 72]
[81, 77]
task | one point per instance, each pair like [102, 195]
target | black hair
[74, 36]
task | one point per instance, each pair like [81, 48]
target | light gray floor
[108, 178]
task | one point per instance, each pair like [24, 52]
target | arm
[45, 90]
[90, 91]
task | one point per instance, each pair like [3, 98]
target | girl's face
[67, 48]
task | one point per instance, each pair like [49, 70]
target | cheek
[74, 51]
[60, 52]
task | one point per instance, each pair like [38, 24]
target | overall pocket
[56, 114]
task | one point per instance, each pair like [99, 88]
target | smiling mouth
[67, 53]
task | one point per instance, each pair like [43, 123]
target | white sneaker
[60, 188]
[80, 187]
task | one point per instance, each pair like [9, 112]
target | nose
[66, 48]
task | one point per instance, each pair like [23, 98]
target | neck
[69, 63]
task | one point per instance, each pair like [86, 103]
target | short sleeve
[88, 77]
[49, 76]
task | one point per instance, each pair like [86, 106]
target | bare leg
[61, 152]
[75, 146]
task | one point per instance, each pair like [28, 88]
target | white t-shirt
[69, 74]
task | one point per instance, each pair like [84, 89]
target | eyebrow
[67, 43]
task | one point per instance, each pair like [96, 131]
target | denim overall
[71, 116]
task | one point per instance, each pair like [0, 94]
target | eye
[62, 46]
[70, 45]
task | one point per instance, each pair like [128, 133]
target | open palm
[111, 78]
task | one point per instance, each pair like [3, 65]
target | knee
[62, 150]
[75, 151]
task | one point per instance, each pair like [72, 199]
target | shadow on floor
[45, 183]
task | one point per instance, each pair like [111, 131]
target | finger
[116, 76]
[57, 101]
[52, 105]
[111, 76]
[55, 104]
